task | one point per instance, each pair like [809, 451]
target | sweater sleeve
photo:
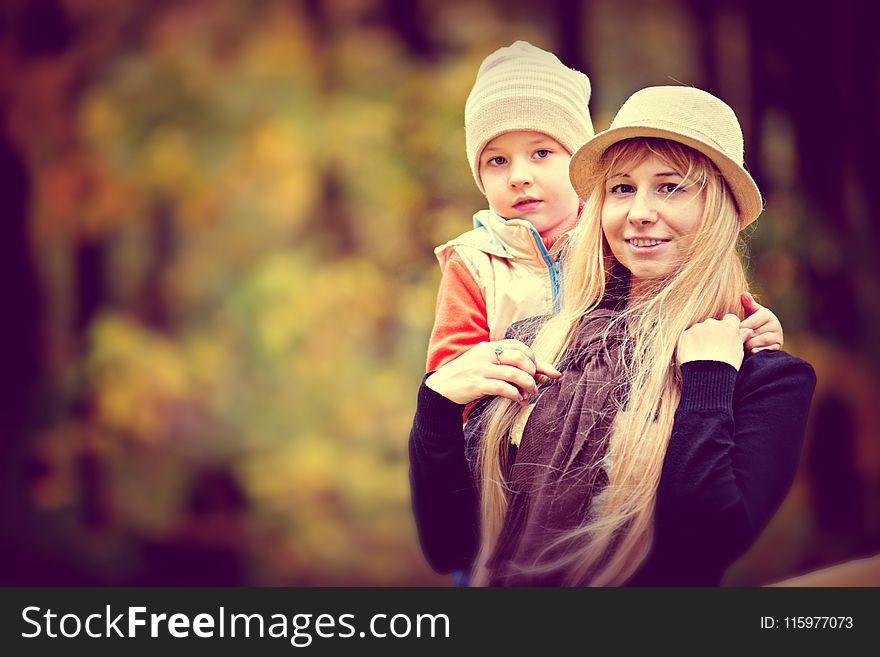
[460, 316]
[732, 456]
[444, 498]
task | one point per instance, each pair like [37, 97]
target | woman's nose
[642, 211]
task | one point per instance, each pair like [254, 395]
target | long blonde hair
[609, 547]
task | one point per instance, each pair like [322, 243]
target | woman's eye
[671, 188]
[622, 189]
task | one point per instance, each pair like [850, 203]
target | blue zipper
[553, 267]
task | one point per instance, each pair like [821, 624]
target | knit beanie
[521, 87]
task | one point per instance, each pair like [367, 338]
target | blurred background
[218, 223]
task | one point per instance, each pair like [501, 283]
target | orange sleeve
[460, 319]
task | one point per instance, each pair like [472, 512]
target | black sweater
[732, 455]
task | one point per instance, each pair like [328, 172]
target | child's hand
[765, 326]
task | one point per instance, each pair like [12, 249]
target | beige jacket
[510, 263]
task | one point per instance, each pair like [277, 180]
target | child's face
[525, 175]
[648, 220]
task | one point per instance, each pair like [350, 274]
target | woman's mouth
[646, 245]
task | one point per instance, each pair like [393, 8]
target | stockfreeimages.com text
[300, 629]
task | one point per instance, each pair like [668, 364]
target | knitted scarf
[558, 472]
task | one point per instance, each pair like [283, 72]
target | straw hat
[689, 116]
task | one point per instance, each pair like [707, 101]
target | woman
[652, 451]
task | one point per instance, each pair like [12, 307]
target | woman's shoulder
[777, 365]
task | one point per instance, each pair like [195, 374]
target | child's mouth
[527, 204]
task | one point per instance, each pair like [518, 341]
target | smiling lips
[646, 245]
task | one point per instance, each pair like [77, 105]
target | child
[526, 114]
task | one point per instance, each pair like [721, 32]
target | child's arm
[765, 326]
[460, 319]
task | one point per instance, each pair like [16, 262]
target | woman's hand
[714, 339]
[507, 368]
[766, 328]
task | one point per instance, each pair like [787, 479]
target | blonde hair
[609, 547]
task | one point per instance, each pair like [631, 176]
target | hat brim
[745, 192]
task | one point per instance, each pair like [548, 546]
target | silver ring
[498, 352]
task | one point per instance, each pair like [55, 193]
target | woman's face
[648, 219]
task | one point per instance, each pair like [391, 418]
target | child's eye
[541, 153]
[497, 161]
[622, 188]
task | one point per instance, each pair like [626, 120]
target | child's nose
[520, 174]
